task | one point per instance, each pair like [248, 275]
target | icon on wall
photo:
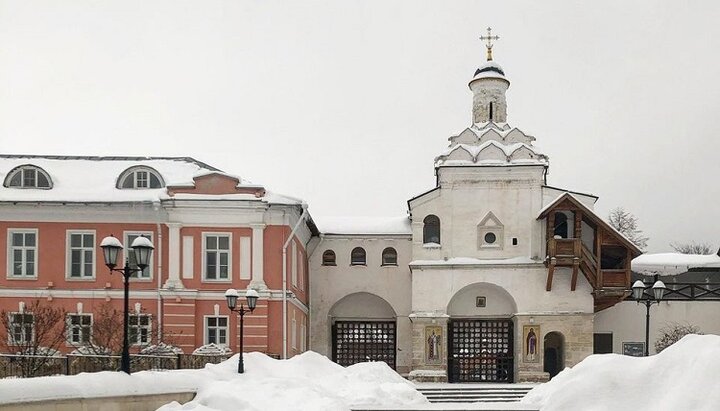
[480, 301]
[433, 344]
[530, 343]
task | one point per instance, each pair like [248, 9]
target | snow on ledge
[476, 261]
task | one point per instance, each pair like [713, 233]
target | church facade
[494, 275]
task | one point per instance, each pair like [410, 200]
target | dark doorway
[480, 350]
[360, 341]
[553, 359]
[602, 343]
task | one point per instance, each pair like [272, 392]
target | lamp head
[252, 297]
[142, 248]
[231, 295]
[638, 289]
[111, 247]
[658, 290]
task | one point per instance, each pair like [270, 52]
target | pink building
[211, 230]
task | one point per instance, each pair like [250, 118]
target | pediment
[216, 184]
[490, 135]
[491, 152]
[466, 137]
[490, 220]
[522, 153]
[517, 136]
[460, 153]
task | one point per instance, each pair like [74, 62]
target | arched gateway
[363, 329]
[480, 334]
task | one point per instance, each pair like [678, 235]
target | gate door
[480, 350]
[360, 341]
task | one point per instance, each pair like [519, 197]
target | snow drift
[305, 382]
[685, 376]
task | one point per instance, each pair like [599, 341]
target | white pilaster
[173, 280]
[257, 282]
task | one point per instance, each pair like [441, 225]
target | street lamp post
[232, 296]
[142, 249]
[641, 295]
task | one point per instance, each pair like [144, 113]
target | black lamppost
[142, 249]
[232, 296]
[641, 295]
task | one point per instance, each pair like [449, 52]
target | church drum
[480, 350]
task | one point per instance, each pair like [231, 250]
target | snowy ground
[305, 382]
[685, 376]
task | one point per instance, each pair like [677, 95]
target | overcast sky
[346, 103]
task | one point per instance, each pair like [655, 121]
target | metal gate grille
[359, 341]
[480, 351]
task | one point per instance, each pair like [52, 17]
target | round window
[490, 238]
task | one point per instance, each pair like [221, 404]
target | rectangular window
[139, 329]
[79, 328]
[216, 330]
[217, 256]
[81, 254]
[130, 255]
[301, 271]
[294, 334]
[303, 336]
[293, 264]
[22, 328]
[22, 255]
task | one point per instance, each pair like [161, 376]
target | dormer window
[28, 176]
[140, 178]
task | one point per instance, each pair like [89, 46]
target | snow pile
[305, 382]
[682, 377]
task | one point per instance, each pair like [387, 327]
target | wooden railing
[564, 247]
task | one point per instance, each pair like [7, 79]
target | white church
[493, 275]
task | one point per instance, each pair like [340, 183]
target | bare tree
[627, 224]
[36, 332]
[693, 248]
[672, 333]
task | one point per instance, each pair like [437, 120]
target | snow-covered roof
[469, 261]
[95, 179]
[673, 263]
[491, 144]
[364, 225]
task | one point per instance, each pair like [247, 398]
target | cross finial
[489, 44]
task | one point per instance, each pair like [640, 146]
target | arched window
[28, 176]
[561, 225]
[328, 257]
[389, 256]
[431, 230]
[357, 256]
[140, 177]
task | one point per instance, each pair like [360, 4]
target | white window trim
[301, 270]
[10, 254]
[68, 256]
[136, 343]
[227, 330]
[10, 340]
[68, 342]
[204, 257]
[132, 173]
[294, 333]
[126, 246]
[303, 335]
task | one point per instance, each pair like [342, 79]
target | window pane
[154, 181]
[42, 181]
[127, 182]
[29, 239]
[224, 243]
[30, 268]
[88, 240]
[212, 321]
[15, 179]
[17, 239]
[222, 338]
[211, 337]
[145, 320]
[133, 335]
[222, 322]
[75, 240]
[17, 262]
[211, 242]
[29, 178]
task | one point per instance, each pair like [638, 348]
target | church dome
[489, 69]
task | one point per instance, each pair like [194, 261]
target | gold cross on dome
[489, 44]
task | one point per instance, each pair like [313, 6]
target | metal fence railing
[15, 365]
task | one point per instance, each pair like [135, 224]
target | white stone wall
[330, 284]
[466, 196]
[626, 321]
[485, 91]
